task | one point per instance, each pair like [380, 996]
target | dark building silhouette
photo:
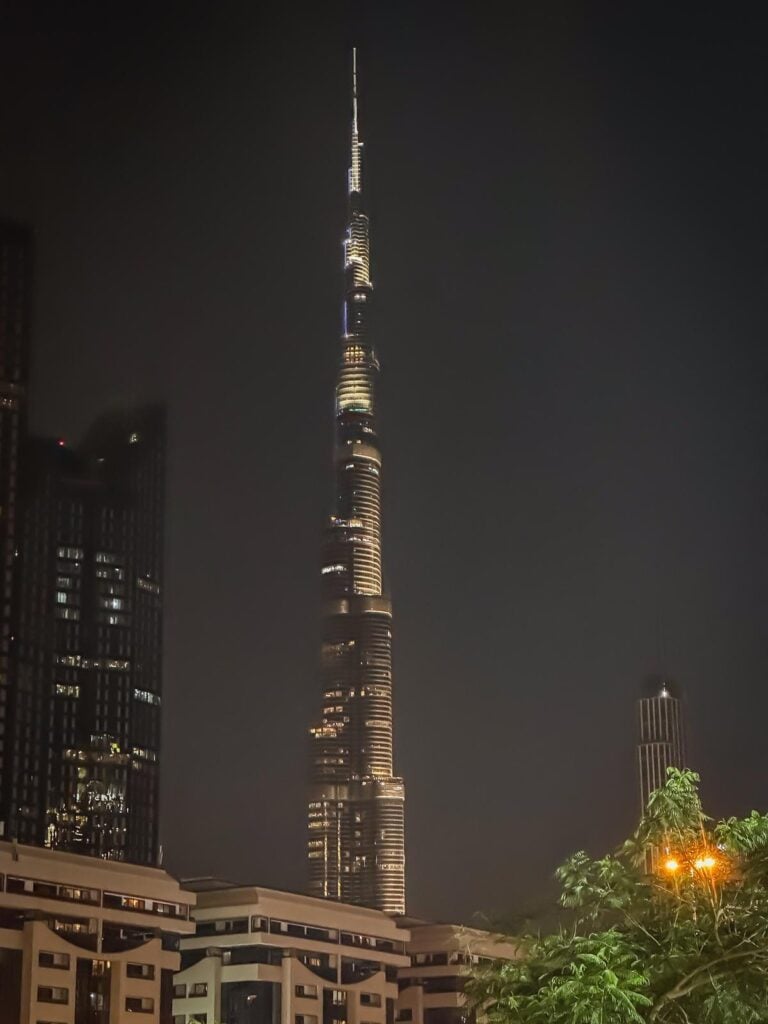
[661, 736]
[15, 311]
[84, 716]
[356, 843]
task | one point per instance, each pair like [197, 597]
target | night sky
[570, 246]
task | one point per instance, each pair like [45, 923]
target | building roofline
[20, 851]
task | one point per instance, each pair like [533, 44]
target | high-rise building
[661, 736]
[83, 730]
[356, 842]
[15, 306]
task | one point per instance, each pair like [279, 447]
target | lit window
[58, 960]
[67, 690]
[52, 994]
[68, 613]
[74, 554]
[144, 753]
[146, 697]
[354, 354]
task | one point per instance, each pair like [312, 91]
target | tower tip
[354, 88]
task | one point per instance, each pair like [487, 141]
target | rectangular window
[49, 890]
[52, 994]
[140, 1004]
[119, 901]
[71, 614]
[57, 960]
[225, 926]
[179, 991]
[200, 988]
[73, 554]
[67, 690]
[146, 697]
[306, 991]
[370, 999]
[145, 971]
[305, 1018]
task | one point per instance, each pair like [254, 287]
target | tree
[685, 944]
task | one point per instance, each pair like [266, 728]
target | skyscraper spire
[354, 90]
[356, 803]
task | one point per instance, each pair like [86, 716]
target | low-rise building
[85, 940]
[441, 957]
[261, 956]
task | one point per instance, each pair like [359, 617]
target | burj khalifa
[356, 835]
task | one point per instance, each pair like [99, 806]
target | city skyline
[574, 275]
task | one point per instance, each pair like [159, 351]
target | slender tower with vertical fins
[660, 736]
[356, 835]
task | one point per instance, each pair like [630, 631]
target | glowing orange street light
[671, 865]
[705, 863]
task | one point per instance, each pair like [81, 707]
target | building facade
[15, 314]
[261, 956]
[86, 941]
[661, 736]
[356, 833]
[431, 988]
[83, 736]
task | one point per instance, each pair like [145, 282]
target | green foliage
[684, 944]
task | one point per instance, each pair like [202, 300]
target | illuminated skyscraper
[83, 733]
[81, 545]
[661, 736]
[356, 844]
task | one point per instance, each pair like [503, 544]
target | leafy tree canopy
[672, 928]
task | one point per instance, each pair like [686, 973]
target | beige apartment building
[261, 956]
[87, 941]
[441, 957]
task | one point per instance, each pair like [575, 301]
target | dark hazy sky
[570, 231]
